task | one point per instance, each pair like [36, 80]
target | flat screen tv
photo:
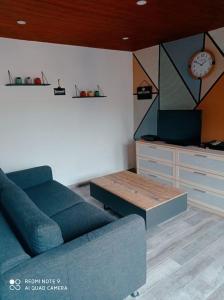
[180, 127]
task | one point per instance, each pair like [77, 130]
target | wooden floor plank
[185, 257]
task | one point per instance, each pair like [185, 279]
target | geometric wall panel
[178, 90]
[217, 36]
[173, 91]
[139, 75]
[149, 122]
[213, 113]
[140, 109]
[149, 59]
[218, 68]
[181, 51]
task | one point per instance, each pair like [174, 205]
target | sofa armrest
[31, 177]
[108, 263]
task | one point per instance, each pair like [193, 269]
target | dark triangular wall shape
[149, 122]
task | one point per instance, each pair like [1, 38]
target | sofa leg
[106, 207]
[135, 294]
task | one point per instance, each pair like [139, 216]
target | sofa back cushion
[31, 177]
[39, 232]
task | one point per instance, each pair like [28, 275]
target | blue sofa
[56, 246]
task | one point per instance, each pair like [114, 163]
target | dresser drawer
[201, 161]
[156, 152]
[159, 178]
[204, 197]
[154, 166]
[206, 180]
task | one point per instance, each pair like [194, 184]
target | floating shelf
[153, 93]
[13, 84]
[89, 97]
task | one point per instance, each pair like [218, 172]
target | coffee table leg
[135, 294]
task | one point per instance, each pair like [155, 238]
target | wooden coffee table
[128, 193]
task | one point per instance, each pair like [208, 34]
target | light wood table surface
[126, 192]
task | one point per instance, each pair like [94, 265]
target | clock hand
[199, 63]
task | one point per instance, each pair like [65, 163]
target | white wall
[79, 138]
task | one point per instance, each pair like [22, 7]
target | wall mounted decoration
[18, 81]
[59, 91]
[89, 93]
[144, 91]
[201, 64]
[178, 89]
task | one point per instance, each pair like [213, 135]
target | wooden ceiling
[103, 23]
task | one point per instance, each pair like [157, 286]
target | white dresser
[198, 171]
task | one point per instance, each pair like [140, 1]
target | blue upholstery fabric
[31, 177]
[107, 264]
[52, 197]
[80, 219]
[39, 232]
[4, 180]
[11, 252]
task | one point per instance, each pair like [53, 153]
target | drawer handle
[201, 191]
[200, 155]
[153, 147]
[154, 176]
[152, 161]
[200, 173]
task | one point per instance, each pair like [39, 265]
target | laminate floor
[185, 256]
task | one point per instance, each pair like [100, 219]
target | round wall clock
[201, 64]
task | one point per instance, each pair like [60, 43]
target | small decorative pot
[18, 80]
[28, 80]
[90, 93]
[97, 93]
[37, 81]
[83, 94]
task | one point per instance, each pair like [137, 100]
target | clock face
[201, 64]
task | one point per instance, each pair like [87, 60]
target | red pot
[37, 81]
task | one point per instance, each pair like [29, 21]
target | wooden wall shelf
[89, 97]
[13, 84]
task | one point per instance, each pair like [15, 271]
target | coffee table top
[138, 190]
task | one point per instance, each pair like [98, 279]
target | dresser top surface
[184, 148]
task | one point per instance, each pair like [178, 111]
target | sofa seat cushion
[52, 197]
[38, 232]
[11, 251]
[80, 219]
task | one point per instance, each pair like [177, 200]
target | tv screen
[182, 127]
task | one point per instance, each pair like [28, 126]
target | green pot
[97, 93]
[18, 80]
